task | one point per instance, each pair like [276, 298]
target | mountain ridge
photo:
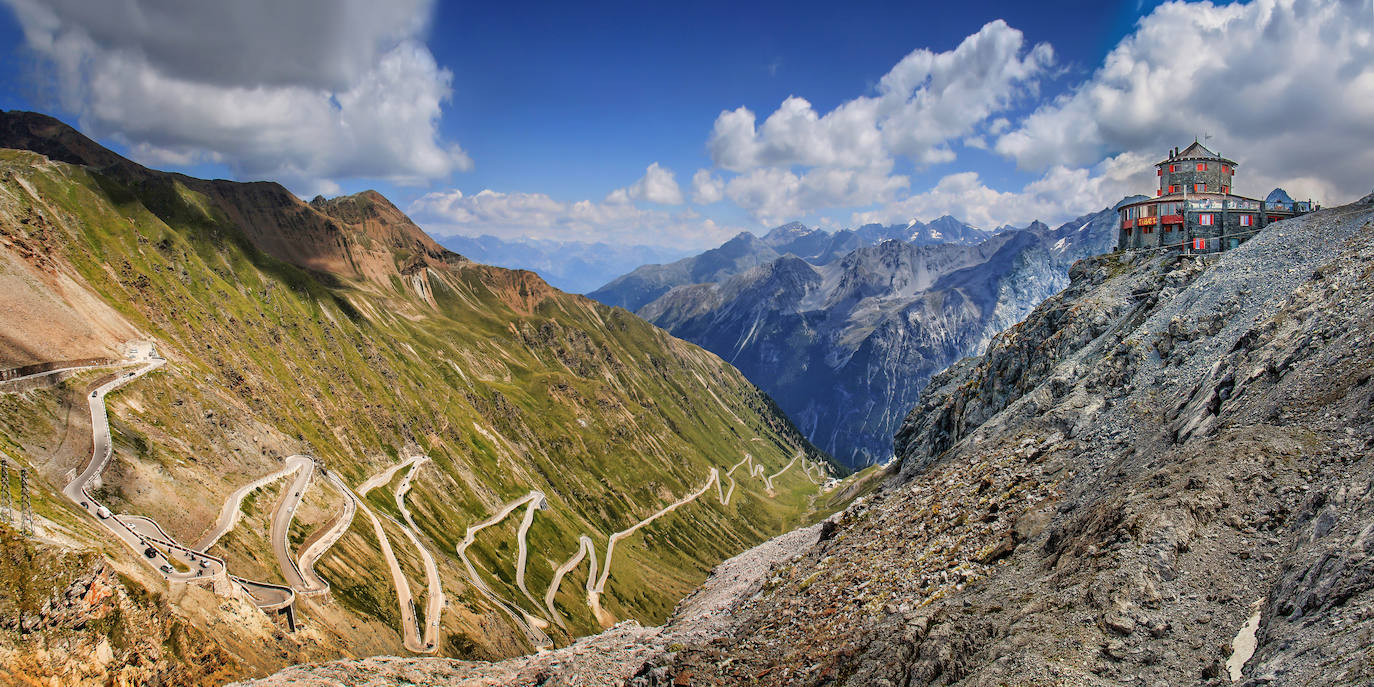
[845, 345]
[379, 348]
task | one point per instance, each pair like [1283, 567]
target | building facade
[1194, 210]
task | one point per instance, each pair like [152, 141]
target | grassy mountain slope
[339, 329]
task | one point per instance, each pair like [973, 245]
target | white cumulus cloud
[923, 102]
[658, 185]
[1062, 193]
[535, 215]
[1284, 87]
[306, 92]
[707, 188]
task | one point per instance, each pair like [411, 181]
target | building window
[1148, 230]
[1226, 169]
[1202, 166]
[1225, 189]
[1199, 244]
[1159, 171]
[1205, 219]
[1246, 220]
[1199, 188]
[1173, 168]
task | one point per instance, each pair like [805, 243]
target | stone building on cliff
[1194, 209]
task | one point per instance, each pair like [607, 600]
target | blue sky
[591, 122]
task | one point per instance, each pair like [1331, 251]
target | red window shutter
[1160, 192]
[1159, 171]
[1202, 166]
[1199, 244]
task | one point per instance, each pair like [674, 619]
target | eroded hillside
[426, 396]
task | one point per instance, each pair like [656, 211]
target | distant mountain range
[816, 246]
[567, 265]
[844, 329]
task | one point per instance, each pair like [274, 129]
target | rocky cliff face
[846, 345]
[1162, 476]
[67, 618]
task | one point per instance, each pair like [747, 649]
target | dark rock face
[845, 343]
[1112, 493]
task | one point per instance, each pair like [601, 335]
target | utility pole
[25, 503]
[6, 502]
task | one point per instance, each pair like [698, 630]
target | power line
[6, 501]
[25, 503]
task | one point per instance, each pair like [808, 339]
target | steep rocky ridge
[846, 346]
[337, 329]
[1112, 493]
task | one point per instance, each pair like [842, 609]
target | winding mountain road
[526, 622]
[585, 547]
[434, 593]
[232, 510]
[594, 595]
[522, 553]
[144, 535]
[409, 621]
[281, 524]
[331, 536]
[161, 551]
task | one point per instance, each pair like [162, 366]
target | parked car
[103, 512]
[150, 552]
[165, 568]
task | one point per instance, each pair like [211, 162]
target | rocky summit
[1163, 476]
